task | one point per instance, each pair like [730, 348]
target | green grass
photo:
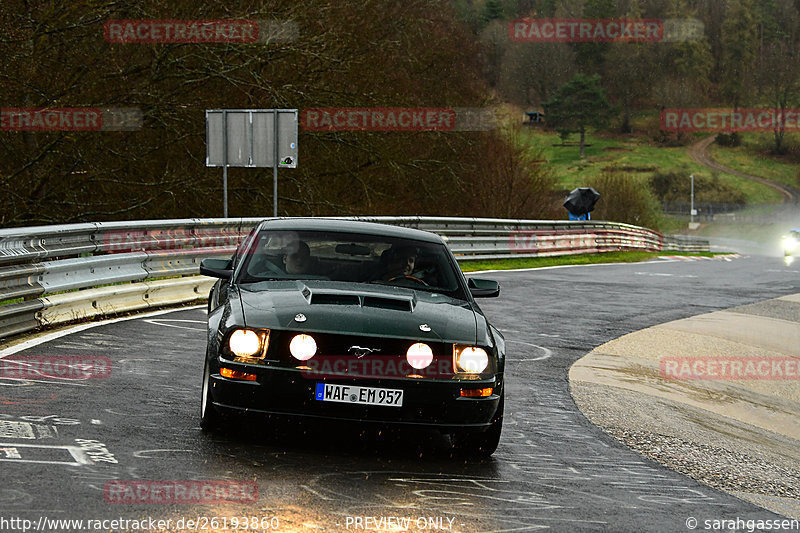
[580, 259]
[670, 224]
[753, 157]
[637, 155]
[634, 155]
[755, 192]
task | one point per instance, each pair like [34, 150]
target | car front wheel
[210, 417]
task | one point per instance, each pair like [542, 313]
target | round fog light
[303, 347]
[419, 355]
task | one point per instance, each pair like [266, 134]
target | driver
[400, 262]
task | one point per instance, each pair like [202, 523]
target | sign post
[251, 138]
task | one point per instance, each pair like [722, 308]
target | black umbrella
[581, 200]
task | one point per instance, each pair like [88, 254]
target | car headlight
[419, 355]
[246, 343]
[471, 359]
[790, 243]
[303, 347]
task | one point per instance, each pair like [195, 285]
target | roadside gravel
[736, 436]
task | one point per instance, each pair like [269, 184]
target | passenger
[297, 258]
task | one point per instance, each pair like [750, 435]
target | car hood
[358, 309]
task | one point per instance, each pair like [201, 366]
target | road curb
[737, 435]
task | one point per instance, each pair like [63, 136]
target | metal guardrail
[79, 271]
[685, 243]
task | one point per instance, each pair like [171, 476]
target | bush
[728, 139]
[626, 200]
[672, 139]
[676, 186]
[516, 181]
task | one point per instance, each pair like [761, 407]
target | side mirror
[216, 268]
[483, 288]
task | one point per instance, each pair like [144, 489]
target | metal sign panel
[249, 135]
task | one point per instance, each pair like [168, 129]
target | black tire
[210, 417]
[481, 444]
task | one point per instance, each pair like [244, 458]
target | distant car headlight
[790, 244]
[247, 343]
[303, 347]
[471, 359]
[419, 355]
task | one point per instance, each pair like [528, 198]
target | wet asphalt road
[553, 470]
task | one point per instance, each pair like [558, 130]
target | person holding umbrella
[580, 203]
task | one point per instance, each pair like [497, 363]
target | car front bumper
[287, 392]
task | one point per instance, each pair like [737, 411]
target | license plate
[328, 392]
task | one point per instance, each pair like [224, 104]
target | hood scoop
[334, 299]
[362, 300]
[398, 304]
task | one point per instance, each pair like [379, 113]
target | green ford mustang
[353, 321]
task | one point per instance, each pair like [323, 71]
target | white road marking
[547, 353]
[145, 454]
[315, 493]
[83, 327]
[25, 381]
[79, 456]
[663, 274]
[157, 322]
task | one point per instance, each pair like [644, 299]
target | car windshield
[350, 257]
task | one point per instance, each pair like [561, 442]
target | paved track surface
[553, 470]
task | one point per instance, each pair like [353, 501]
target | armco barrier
[50, 275]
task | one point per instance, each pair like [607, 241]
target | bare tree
[349, 53]
[531, 72]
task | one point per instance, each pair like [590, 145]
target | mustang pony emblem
[360, 351]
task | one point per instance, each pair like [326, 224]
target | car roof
[349, 226]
